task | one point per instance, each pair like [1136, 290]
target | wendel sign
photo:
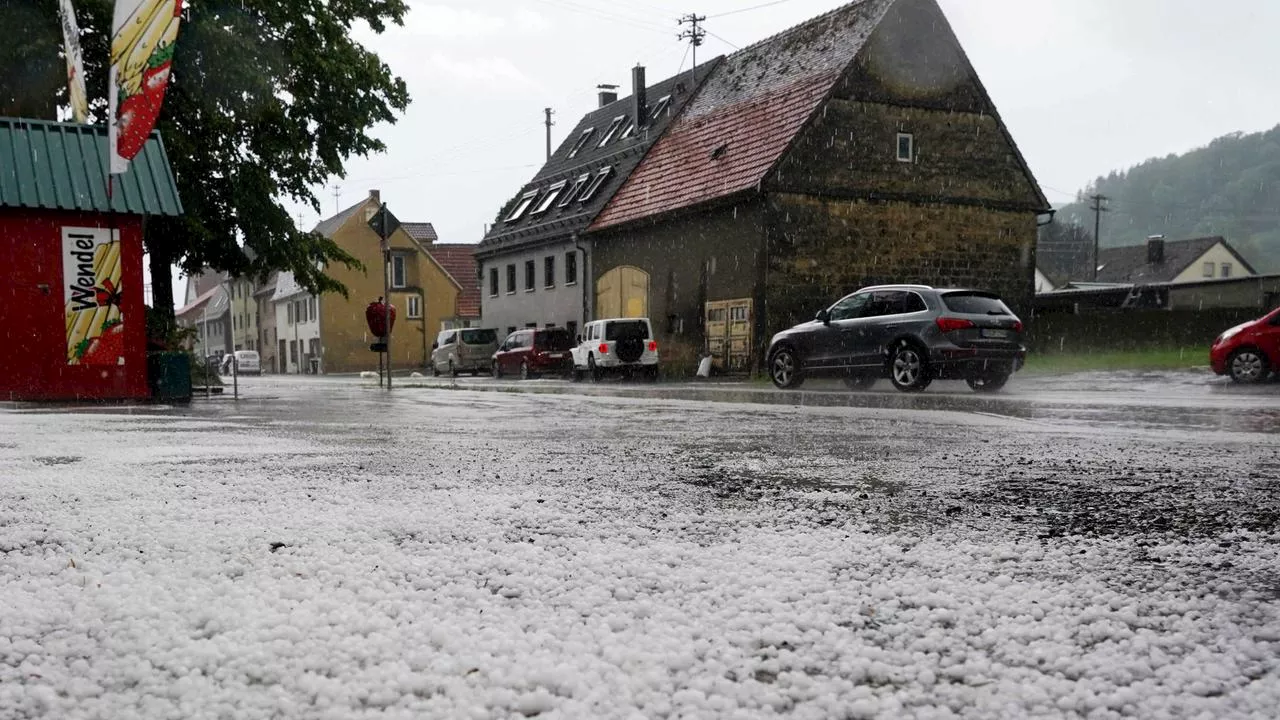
[381, 315]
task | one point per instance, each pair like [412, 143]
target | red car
[1248, 352]
[534, 351]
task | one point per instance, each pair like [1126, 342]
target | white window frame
[549, 199]
[1208, 269]
[614, 126]
[596, 183]
[576, 188]
[523, 206]
[1225, 270]
[663, 104]
[413, 307]
[911, 147]
[398, 265]
[582, 141]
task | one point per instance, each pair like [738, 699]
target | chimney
[1155, 249]
[608, 94]
[375, 196]
[641, 102]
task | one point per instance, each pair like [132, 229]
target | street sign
[378, 347]
[384, 223]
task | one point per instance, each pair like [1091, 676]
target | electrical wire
[748, 9]
[635, 22]
[726, 42]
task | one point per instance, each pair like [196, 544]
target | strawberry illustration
[107, 347]
[138, 113]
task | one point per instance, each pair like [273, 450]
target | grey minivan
[913, 334]
[463, 350]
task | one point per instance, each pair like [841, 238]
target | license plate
[1003, 334]
[556, 356]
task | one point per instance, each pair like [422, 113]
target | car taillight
[1017, 327]
[653, 346]
[604, 349]
[946, 324]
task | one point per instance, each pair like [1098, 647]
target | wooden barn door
[622, 292]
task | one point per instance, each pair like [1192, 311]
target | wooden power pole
[1098, 207]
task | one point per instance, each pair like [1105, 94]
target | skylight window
[629, 130]
[523, 206]
[550, 197]
[658, 109]
[594, 188]
[582, 141]
[612, 132]
[578, 183]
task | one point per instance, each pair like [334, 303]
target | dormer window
[602, 175]
[659, 108]
[523, 206]
[612, 132]
[550, 197]
[582, 141]
[578, 183]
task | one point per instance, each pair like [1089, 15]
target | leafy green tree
[267, 99]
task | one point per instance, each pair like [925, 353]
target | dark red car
[535, 351]
[1248, 352]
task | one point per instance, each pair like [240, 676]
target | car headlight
[1230, 334]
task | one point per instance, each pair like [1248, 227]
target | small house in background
[297, 322]
[268, 356]
[71, 283]
[209, 315]
[1180, 261]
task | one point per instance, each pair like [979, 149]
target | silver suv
[913, 334]
[463, 350]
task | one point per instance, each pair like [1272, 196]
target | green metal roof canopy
[63, 166]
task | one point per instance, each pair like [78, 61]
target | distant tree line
[1229, 188]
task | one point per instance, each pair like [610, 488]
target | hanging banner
[75, 62]
[91, 276]
[142, 42]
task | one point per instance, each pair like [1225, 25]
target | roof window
[582, 141]
[550, 197]
[602, 175]
[629, 130]
[659, 108]
[612, 132]
[578, 183]
[523, 206]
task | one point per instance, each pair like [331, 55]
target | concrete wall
[560, 304]
[1219, 255]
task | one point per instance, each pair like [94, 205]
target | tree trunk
[161, 286]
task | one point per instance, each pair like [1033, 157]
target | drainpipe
[585, 273]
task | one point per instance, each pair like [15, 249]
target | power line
[605, 15]
[726, 42]
[749, 9]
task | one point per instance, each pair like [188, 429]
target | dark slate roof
[753, 105]
[329, 226]
[62, 166]
[622, 155]
[1129, 264]
[460, 262]
[422, 232]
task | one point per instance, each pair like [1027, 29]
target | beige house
[1181, 261]
[424, 294]
[244, 313]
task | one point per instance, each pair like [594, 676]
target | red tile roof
[459, 261]
[752, 106]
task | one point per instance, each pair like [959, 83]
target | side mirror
[823, 317]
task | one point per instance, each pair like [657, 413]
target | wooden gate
[729, 334]
[623, 292]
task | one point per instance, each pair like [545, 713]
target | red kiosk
[72, 319]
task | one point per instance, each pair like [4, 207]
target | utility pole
[1098, 207]
[549, 113]
[695, 34]
[337, 193]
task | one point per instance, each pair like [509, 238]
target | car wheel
[593, 369]
[908, 368]
[989, 383]
[524, 370]
[1248, 365]
[435, 370]
[860, 383]
[785, 369]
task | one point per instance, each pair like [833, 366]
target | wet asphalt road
[1097, 454]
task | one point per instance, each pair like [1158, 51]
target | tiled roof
[215, 300]
[460, 262]
[62, 166]
[286, 287]
[422, 232]
[621, 155]
[1129, 264]
[746, 115]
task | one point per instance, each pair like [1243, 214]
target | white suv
[617, 345]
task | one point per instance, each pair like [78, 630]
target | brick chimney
[375, 196]
[608, 94]
[1155, 249]
[641, 102]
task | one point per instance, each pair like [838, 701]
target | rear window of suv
[553, 340]
[974, 304]
[625, 329]
[479, 337]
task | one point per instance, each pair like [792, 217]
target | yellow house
[424, 294]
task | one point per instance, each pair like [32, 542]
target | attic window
[550, 197]
[582, 141]
[578, 183]
[629, 130]
[523, 206]
[906, 147]
[612, 132]
[720, 151]
[659, 108]
[594, 188]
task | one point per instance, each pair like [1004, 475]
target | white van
[246, 362]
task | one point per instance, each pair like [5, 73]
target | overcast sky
[1086, 86]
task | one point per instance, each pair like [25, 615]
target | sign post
[384, 224]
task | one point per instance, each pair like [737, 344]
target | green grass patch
[1159, 359]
